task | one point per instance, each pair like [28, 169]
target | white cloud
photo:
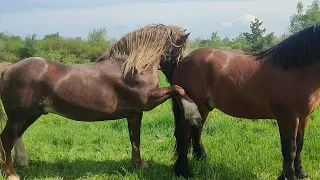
[246, 19]
[227, 24]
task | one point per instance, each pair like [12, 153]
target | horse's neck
[113, 62]
[149, 75]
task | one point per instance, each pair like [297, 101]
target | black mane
[297, 51]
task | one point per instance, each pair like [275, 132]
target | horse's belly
[80, 113]
[86, 115]
[243, 108]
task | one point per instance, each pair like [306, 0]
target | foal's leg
[198, 148]
[288, 131]
[20, 152]
[8, 137]
[300, 173]
[134, 124]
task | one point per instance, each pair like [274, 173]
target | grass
[59, 148]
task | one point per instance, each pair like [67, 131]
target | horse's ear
[185, 37]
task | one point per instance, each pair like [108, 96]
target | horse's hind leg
[134, 125]
[20, 156]
[299, 172]
[198, 148]
[8, 137]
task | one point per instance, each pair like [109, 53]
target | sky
[75, 18]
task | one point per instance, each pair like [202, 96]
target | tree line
[85, 50]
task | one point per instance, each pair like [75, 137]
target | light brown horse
[281, 83]
[122, 84]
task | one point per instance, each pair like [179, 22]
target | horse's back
[34, 68]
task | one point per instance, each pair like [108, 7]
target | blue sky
[73, 18]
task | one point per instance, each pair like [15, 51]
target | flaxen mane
[144, 46]
[297, 51]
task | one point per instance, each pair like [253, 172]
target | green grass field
[59, 148]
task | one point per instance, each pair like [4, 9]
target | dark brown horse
[281, 83]
[122, 84]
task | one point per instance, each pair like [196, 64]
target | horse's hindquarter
[232, 81]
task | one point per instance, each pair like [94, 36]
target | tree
[195, 43]
[215, 39]
[97, 36]
[213, 42]
[226, 42]
[303, 18]
[255, 39]
[55, 35]
[239, 42]
[29, 47]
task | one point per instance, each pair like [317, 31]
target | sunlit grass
[59, 148]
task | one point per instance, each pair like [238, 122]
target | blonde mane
[144, 46]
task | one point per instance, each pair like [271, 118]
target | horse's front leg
[288, 131]
[134, 124]
[159, 95]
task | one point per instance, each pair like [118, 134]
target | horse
[281, 83]
[123, 83]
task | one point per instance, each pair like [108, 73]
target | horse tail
[3, 68]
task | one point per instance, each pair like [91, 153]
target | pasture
[237, 149]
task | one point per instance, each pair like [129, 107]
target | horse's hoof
[284, 177]
[301, 174]
[13, 177]
[140, 164]
[184, 172]
[201, 156]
